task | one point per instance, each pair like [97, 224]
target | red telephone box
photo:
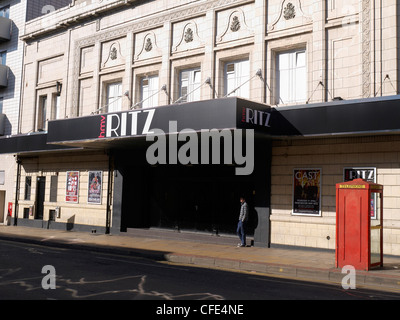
[359, 214]
[9, 209]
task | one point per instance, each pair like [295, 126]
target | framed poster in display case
[72, 187]
[307, 192]
[95, 187]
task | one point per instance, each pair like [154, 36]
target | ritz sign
[194, 145]
[125, 124]
[138, 122]
[257, 117]
[367, 174]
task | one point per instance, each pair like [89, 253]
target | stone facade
[346, 54]
[350, 52]
[332, 156]
[53, 170]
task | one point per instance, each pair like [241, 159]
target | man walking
[243, 217]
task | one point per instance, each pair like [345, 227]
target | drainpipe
[17, 187]
[109, 193]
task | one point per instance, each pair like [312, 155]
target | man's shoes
[241, 245]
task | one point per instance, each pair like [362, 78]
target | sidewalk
[213, 252]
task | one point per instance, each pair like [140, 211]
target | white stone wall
[332, 156]
[46, 166]
[347, 54]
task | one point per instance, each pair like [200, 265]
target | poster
[307, 192]
[94, 187]
[72, 192]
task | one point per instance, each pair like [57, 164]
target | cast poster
[94, 187]
[72, 192]
[307, 192]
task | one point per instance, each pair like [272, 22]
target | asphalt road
[86, 275]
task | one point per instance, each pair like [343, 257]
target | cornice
[69, 16]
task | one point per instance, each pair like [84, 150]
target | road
[84, 275]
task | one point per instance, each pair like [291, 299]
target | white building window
[3, 58]
[190, 85]
[291, 77]
[55, 111]
[42, 117]
[237, 75]
[2, 177]
[5, 12]
[149, 92]
[114, 97]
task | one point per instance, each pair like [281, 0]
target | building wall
[347, 55]
[80, 213]
[38, 8]
[14, 48]
[11, 96]
[332, 155]
[351, 52]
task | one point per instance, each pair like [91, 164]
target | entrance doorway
[40, 190]
[2, 205]
[191, 198]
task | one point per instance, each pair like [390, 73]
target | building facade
[12, 20]
[100, 75]
[13, 16]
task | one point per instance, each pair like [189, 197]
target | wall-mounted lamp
[58, 87]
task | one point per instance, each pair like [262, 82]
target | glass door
[376, 228]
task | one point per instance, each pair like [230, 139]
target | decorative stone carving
[366, 48]
[188, 37]
[148, 46]
[113, 53]
[290, 15]
[289, 12]
[235, 28]
[235, 24]
[114, 56]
